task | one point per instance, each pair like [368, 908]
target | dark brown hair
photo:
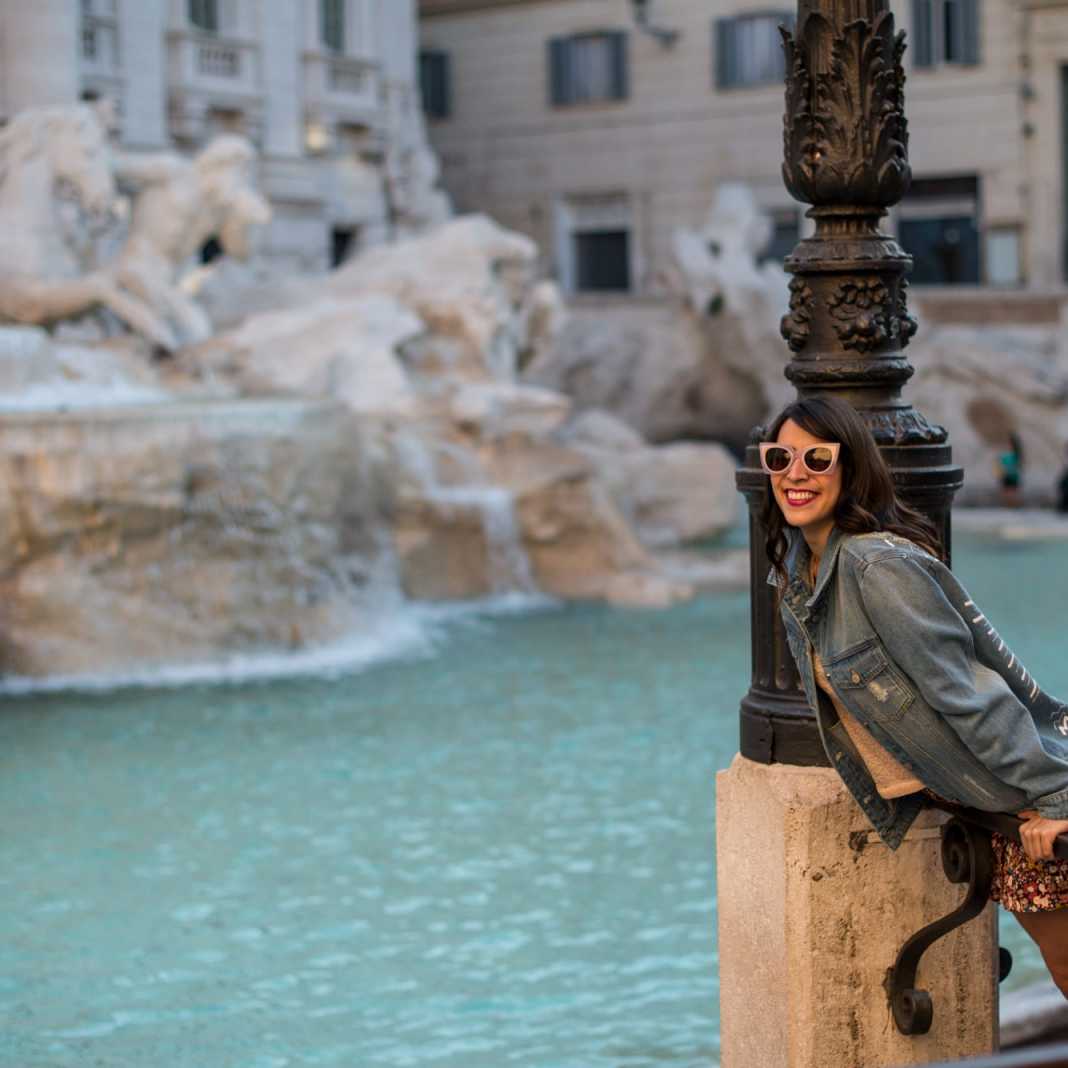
[868, 501]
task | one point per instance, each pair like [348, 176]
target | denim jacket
[913, 658]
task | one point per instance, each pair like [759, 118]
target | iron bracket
[967, 857]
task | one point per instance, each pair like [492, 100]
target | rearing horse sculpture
[55, 161]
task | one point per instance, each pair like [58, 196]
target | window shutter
[619, 66]
[922, 27]
[724, 49]
[559, 72]
[972, 13]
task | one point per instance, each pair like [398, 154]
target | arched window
[332, 24]
[204, 14]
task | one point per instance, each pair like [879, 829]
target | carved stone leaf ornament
[845, 133]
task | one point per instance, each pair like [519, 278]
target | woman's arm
[931, 642]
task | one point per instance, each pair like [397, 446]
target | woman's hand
[1037, 834]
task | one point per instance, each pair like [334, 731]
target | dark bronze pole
[846, 154]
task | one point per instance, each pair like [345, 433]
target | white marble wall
[281, 37]
[40, 53]
[142, 34]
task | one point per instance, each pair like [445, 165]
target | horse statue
[180, 204]
[57, 189]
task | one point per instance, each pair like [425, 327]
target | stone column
[283, 43]
[41, 54]
[813, 909]
[143, 56]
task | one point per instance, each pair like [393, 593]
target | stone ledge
[1036, 1013]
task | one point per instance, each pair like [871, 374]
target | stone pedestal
[813, 909]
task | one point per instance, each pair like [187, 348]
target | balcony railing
[341, 85]
[214, 65]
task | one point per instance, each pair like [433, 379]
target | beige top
[891, 778]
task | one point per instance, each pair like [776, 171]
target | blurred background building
[599, 126]
[325, 89]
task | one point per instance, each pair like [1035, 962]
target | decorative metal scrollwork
[796, 325]
[967, 857]
[859, 308]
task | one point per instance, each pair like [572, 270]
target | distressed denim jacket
[918, 664]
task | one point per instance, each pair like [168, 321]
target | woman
[911, 686]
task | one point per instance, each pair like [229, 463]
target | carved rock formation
[181, 532]
[708, 365]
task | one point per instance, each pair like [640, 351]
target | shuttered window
[434, 84]
[747, 50]
[332, 24]
[587, 68]
[946, 31]
[204, 14]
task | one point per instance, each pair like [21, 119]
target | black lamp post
[846, 154]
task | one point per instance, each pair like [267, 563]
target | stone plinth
[813, 909]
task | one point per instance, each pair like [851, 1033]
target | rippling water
[501, 853]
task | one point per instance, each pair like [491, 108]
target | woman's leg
[1050, 932]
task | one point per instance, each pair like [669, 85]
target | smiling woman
[909, 682]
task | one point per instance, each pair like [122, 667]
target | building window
[785, 234]
[587, 68]
[204, 15]
[594, 243]
[748, 50]
[434, 84]
[945, 31]
[332, 24]
[602, 261]
[938, 227]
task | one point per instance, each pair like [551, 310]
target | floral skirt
[1025, 885]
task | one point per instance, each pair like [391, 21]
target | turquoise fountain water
[499, 852]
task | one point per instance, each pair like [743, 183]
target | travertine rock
[466, 279]
[981, 383]
[496, 409]
[706, 364]
[27, 358]
[180, 532]
[670, 494]
[346, 350]
[653, 366]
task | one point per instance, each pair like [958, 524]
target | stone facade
[332, 109]
[989, 202]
